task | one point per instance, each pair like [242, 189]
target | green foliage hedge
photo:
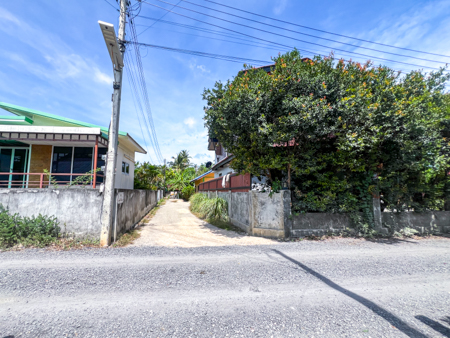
[346, 131]
[29, 231]
[187, 192]
[209, 208]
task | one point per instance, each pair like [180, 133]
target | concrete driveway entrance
[175, 226]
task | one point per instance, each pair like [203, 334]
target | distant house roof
[38, 118]
[202, 175]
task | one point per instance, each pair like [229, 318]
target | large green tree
[342, 130]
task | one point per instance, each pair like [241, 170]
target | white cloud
[280, 6]
[190, 122]
[102, 77]
[194, 66]
[61, 62]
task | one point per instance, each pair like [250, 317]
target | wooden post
[94, 181]
[41, 181]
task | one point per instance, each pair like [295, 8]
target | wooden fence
[236, 183]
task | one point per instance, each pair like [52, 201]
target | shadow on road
[445, 331]
[392, 319]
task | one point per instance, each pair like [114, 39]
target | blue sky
[53, 57]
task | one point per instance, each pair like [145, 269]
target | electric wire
[313, 36]
[234, 31]
[144, 92]
[285, 36]
[137, 92]
[327, 32]
[162, 16]
[232, 36]
[130, 78]
[236, 42]
[197, 53]
[112, 5]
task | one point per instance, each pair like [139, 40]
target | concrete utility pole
[110, 179]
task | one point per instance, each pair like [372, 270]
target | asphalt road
[340, 288]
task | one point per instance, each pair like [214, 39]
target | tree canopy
[344, 130]
[176, 176]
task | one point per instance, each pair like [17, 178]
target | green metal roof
[15, 120]
[21, 111]
[39, 118]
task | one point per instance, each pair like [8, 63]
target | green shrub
[28, 231]
[187, 192]
[209, 208]
[196, 201]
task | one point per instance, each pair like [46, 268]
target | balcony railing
[43, 180]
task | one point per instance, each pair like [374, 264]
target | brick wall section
[41, 156]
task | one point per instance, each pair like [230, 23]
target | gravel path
[339, 288]
[174, 225]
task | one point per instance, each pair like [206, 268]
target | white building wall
[223, 171]
[124, 180]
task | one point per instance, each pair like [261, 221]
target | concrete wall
[318, 224]
[268, 215]
[240, 209]
[136, 204]
[427, 222]
[257, 213]
[78, 210]
[261, 215]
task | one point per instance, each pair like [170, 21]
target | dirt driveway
[175, 226]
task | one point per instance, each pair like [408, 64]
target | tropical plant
[187, 192]
[181, 160]
[147, 176]
[339, 132]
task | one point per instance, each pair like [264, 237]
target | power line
[234, 31]
[313, 36]
[240, 43]
[143, 89]
[135, 99]
[327, 32]
[162, 16]
[232, 36]
[288, 37]
[112, 5]
[141, 84]
[372, 57]
[197, 53]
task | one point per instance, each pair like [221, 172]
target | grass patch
[212, 210]
[209, 208]
[74, 244]
[127, 238]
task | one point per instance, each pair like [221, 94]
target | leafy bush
[187, 192]
[343, 132]
[209, 208]
[28, 231]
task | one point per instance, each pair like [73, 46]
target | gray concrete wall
[318, 224]
[77, 210]
[239, 210]
[268, 214]
[427, 222]
[261, 215]
[136, 204]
